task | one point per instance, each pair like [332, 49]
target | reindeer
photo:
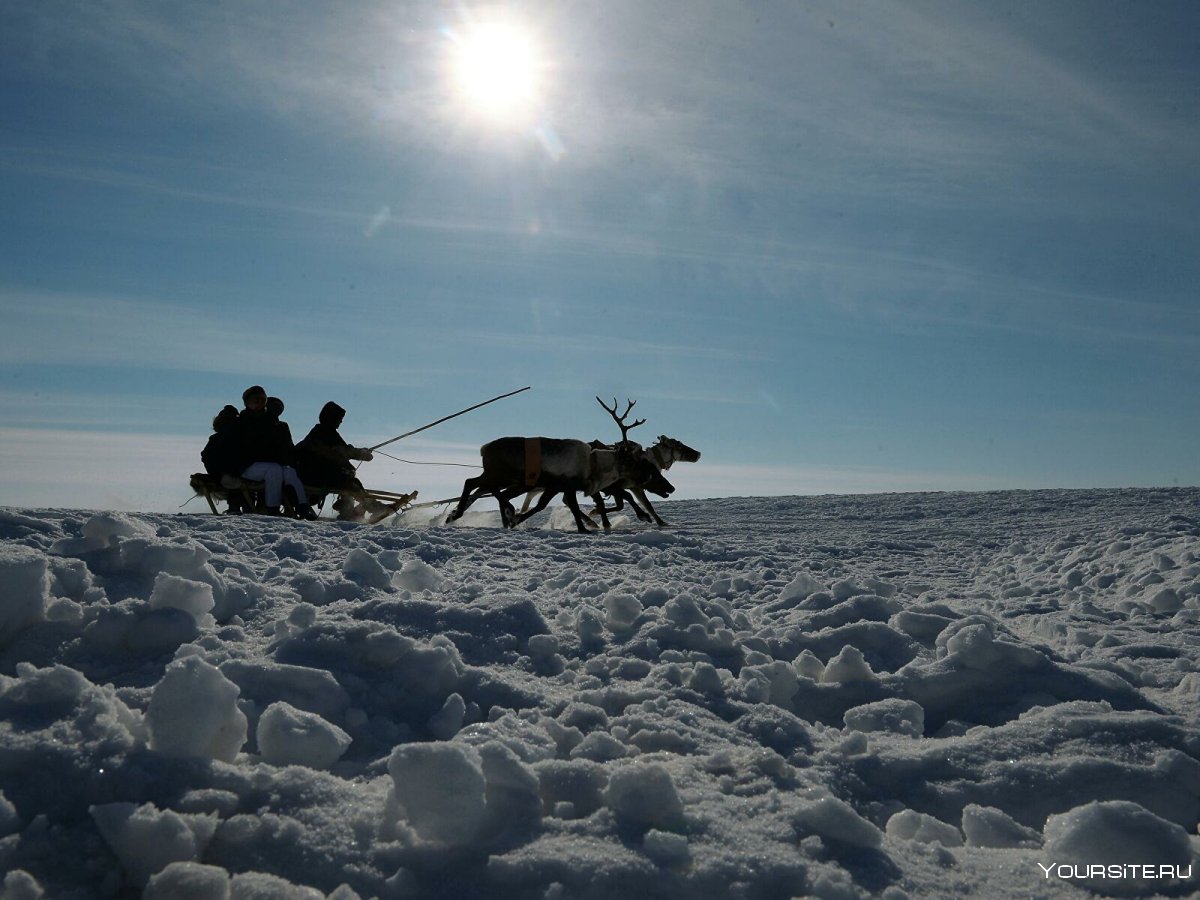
[662, 455]
[516, 465]
[639, 479]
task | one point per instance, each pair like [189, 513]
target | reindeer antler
[620, 420]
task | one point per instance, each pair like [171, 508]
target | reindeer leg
[650, 508]
[542, 503]
[508, 514]
[601, 508]
[603, 512]
[622, 496]
[529, 499]
[471, 492]
[581, 521]
[642, 515]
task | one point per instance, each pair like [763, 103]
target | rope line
[415, 462]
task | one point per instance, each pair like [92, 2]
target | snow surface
[896, 696]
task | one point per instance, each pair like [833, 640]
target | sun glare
[496, 69]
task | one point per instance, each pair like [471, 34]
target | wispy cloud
[109, 331]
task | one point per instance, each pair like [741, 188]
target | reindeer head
[646, 475]
[678, 450]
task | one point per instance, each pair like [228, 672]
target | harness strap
[533, 461]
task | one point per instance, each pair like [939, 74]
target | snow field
[901, 695]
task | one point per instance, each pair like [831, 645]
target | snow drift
[901, 695]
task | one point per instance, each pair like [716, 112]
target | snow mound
[1100, 840]
[901, 695]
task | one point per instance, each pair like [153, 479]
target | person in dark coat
[286, 453]
[266, 456]
[287, 448]
[220, 455]
[325, 458]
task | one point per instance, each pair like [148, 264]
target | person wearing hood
[220, 455]
[325, 458]
[266, 456]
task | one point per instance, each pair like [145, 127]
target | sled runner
[378, 505]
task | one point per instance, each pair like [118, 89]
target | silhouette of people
[221, 457]
[266, 451]
[292, 483]
[325, 459]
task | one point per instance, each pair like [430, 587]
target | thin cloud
[122, 332]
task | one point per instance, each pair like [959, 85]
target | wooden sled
[379, 505]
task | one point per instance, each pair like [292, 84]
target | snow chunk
[109, 526]
[313, 690]
[416, 576]
[836, 820]
[439, 789]
[10, 822]
[665, 848]
[20, 885]
[151, 557]
[845, 589]
[893, 715]
[600, 746]
[972, 643]
[808, 665]
[986, 826]
[512, 798]
[386, 646]
[571, 787]
[448, 721]
[910, 825]
[25, 589]
[1116, 832]
[799, 588]
[193, 712]
[774, 682]
[193, 597]
[289, 736]
[146, 839]
[362, 566]
[919, 625]
[848, 667]
[621, 611]
[188, 881]
[265, 886]
[1166, 600]
[645, 796]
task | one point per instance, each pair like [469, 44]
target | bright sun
[496, 69]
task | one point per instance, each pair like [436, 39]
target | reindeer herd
[550, 466]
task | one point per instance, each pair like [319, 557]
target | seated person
[292, 485]
[266, 456]
[324, 459]
[220, 455]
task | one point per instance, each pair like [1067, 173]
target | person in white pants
[266, 447]
[271, 475]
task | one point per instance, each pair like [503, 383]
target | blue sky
[836, 247]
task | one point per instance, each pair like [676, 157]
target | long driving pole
[446, 418]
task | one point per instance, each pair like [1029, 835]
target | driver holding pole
[325, 461]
